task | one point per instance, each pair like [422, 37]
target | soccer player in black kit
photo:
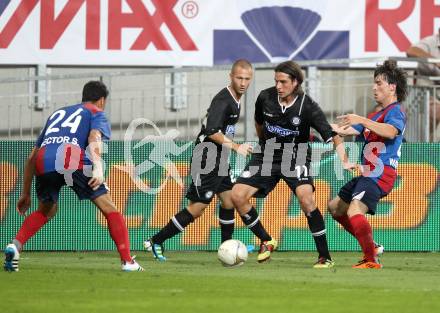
[283, 117]
[215, 135]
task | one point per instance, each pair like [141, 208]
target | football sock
[317, 227]
[176, 225]
[226, 220]
[17, 244]
[345, 222]
[364, 235]
[119, 233]
[252, 221]
[29, 228]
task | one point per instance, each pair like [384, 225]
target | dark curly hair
[394, 75]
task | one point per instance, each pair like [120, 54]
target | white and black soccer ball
[232, 253]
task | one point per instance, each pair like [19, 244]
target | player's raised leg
[338, 209]
[176, 225]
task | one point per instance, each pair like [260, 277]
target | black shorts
[269, 174]
[363, 189]
[204, 187]
[48, 186]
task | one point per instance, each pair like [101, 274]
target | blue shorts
[363, 189]
[48, 186]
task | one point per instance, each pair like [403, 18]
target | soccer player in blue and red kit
[383, 133]
[68, 152]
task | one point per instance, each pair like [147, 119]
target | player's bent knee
[227, 204]
[105, 204]
[48, 209]
[307, 203]
[197, 213]
[239, 197]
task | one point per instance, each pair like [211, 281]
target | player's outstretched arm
[382, 129]
[348, 131]
[95, 150]
[24, 202]
[243, 149]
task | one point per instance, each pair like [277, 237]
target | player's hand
[347, 120]
[96, 180]
[23, 204]
[338, 130]
[360, 168]
[244, 149]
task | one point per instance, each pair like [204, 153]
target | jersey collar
[285, 107]
[232, 95]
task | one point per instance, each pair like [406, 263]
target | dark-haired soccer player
[383, 133]
[284, 115]
[217, 132]
[68, 151]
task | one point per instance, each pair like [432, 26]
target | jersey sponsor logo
[59, 140]
[280, 131]
[296, 121]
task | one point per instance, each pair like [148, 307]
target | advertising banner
[407, 219]
[202, 32]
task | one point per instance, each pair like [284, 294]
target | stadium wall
[408, 219]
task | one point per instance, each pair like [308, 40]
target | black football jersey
[222, 115]
[292, 125]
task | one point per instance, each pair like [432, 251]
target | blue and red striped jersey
[390, 150]
[64, 139]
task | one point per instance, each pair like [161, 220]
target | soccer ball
[232, 253]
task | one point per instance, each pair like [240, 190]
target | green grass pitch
[63, 282]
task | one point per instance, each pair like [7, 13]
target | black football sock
[226, 220]
[317, 227]
[252, 221]
[176, 225]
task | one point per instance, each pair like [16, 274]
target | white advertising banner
[206, 32]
